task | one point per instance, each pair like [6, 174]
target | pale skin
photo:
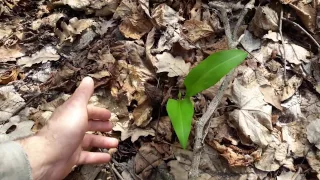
[61, 144]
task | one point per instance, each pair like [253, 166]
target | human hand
[61, 144]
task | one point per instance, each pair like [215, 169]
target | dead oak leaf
[196, 30]
[175, 66]
[253, 118]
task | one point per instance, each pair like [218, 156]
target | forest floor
[138, 52]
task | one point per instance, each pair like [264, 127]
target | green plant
[204, 75]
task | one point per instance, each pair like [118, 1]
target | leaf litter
[139, 51]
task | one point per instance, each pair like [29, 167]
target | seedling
[204, 75]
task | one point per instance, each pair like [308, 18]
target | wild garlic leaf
[181, 113]
[212, 69]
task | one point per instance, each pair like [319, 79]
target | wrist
[34, 147]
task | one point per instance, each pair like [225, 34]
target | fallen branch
[232, 43]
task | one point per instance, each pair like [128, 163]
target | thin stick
[241, 17]
[284, 48]
[199, 136]
[302, 29]
[116, 172]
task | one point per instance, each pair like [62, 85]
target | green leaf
[212, 69]
[181, 113]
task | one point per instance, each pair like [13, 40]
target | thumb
[83, 93]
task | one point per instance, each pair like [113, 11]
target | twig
[284, 48]
[199, 137]
[241, 17]
[302, 29]
[116, 172]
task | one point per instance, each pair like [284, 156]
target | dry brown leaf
[74, 27]
[108, 9]
[146, 160]
[253, 118]
[142, 113]
[9, 76]
[10, 54]
[313, 132]
[165, 16]
[294, 54]
[101, 74]
[293, 84]
[236, 159]
[50, 20]
[134, 23]
[265, 19]
[149, 44]
[145, 6]
[306, 13]
[249, 42]
[271, 97]
[134, 133]
[314, 162]
[195, 30]
[163, 127]
[46, 54]
[5, 32]
[196, 11]
[310, 105]
[175, 66]
[295, 135]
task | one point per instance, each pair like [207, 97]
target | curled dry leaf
[234, 157]
[134, 23]
[9, 76]
[253, 118]
[175, 66]
[74, 27]
[50, 20]
[195, 30]
[46, 54]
